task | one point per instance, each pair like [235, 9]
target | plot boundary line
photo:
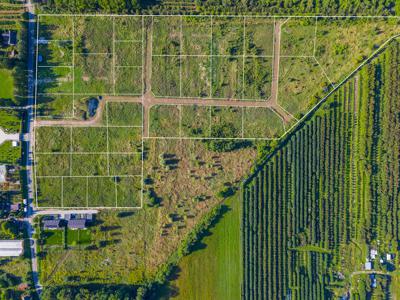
[35, 115]
[219, 16]
[310, 110]
[73, 66]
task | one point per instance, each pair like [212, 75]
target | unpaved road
[148, 99]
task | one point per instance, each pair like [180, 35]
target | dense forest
[265, 7]
[328, 194]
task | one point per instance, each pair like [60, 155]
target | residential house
[51, 224]
[77, 224]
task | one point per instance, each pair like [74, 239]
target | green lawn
[53, 237]
[214, 272]
[6, 84]
[78, 237]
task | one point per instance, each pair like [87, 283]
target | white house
[11, 247]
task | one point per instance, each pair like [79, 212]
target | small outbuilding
[368, 266]
[51, 224]
[77, 224]
[15, 207]
[12, 248]
[9, 38]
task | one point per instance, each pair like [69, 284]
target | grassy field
[6, 85]
[10, 120]
[302, 83]
[113, 152]
[213, 270]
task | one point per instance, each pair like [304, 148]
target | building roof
[77, 224]
[51, 224]
[14, 207]
[10, 37]
[11, 247]
[368, 265]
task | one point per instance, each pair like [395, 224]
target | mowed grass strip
[52, 139]
[78, 237]
[101, 192]
[129, 191]
[125, 164]
[125, 139]
[226, 122]
[89, 165]
[123, 114]
[195, 121]
[74, 192]
[6, 84]
[53, 237]
[261, 122]
[49, 191]
[164, 121]
[213, 270]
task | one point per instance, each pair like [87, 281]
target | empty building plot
[195, 121]
[259, 36]
[297, 36]
[226, 122]
[75, 166]
[164, 121]
[261, 122]
[301, 83]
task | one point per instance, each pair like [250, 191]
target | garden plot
[77, 166]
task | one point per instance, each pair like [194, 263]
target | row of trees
[265, 7]
[333, 181]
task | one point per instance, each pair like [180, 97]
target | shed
[51, 224]
[77, 224]
[11, 247]
[368, 266]
[3, 173]
[15, 207]
[10, 37]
